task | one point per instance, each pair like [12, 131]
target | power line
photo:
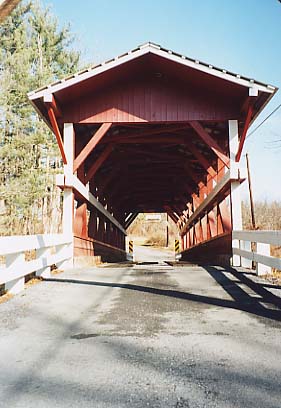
[275, 110]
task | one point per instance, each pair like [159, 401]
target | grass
[267, 215]
[153, 233]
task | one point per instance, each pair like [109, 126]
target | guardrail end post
[17, 285]
[246, 246]
[236, 259]
[68, 263]
[263, 249]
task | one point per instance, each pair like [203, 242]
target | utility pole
[251, 194]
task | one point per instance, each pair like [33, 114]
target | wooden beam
[97, 164]
[83, 193]
[154, 154]
[172, 216]
[103, 182]
[244, 133]
[159, 139]
[131, 218]
[57, 133]
[170, 213]
[201, 159]
[216, 195]
[225, 217]
[150, 175]
[145, 192]
[201, 132]
[82, 156]
[144, 196]
[143, 133]
[191, 173]
[50, 100]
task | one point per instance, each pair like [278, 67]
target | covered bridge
[152, 131]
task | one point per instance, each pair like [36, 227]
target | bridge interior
[152, 131]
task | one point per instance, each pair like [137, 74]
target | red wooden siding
[150, 101]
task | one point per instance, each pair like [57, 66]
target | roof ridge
[156, 48]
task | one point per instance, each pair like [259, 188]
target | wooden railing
[255, 246]
[43, 251]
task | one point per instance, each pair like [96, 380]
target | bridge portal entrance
[152, 131]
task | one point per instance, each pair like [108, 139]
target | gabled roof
[155, 49]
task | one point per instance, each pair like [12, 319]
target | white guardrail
[261, 255]
[48, 250]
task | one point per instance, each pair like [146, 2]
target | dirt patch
[33, 281]
[274, 278]
[5, 297]
[56, 271]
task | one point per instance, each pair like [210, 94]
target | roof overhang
[156, 50]
[78, 83]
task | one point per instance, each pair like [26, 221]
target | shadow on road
[263, 304]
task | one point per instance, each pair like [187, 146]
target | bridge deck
[144, 335]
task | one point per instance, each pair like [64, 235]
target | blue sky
[243, 36]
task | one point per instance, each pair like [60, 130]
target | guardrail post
[67, 252]
[43, 253]
[246, 246]
[15, 261]
[263, 249]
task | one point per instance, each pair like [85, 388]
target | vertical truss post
[204, 224]
[80, 221]
[92, 225]
[221, 172]
[80, 227]
[68, 196]
[211, 224]
[236, 211]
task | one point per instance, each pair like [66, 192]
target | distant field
[268, 217]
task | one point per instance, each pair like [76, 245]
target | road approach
[146, 335]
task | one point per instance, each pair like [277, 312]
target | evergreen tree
[33, 52]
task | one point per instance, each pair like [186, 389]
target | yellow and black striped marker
[131, 247]
[177, 246]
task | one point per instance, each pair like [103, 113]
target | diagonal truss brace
[216, 195]
[201, 132]
[82, 191]
[82, 156]
[244, 133]
[57, 133]
[97, 164]
[130, 219]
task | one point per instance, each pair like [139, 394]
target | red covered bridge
[152, 131]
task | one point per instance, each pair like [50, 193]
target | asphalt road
[142, 336]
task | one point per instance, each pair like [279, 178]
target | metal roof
[156, 49]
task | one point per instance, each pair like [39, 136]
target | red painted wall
[151, 101]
